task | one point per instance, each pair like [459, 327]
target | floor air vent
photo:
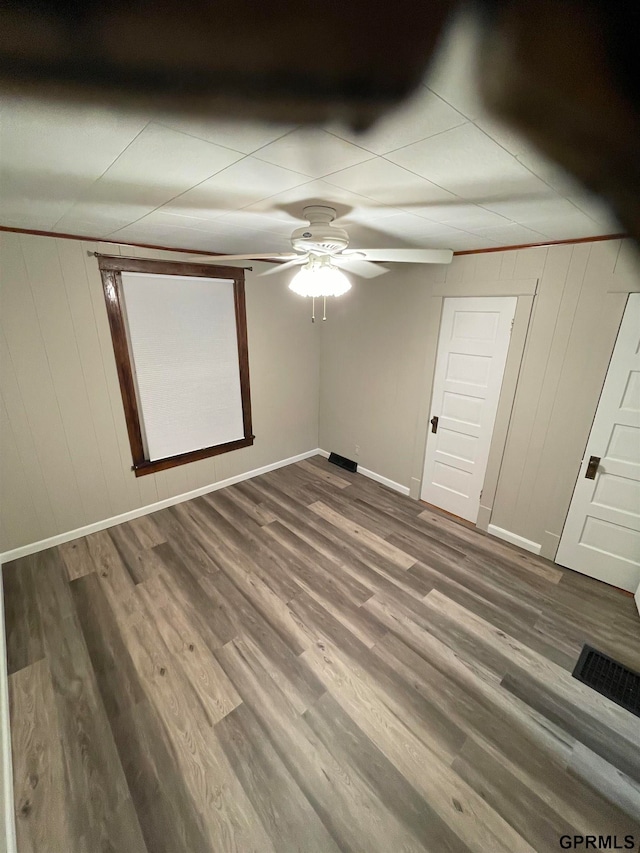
[609, 678]
[343, 462]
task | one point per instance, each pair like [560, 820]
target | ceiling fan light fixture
[319, 278]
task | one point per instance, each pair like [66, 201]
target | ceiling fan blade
[358, 267]
[404, 256]
[276, 268]
[272, 256]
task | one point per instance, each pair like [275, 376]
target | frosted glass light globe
[320, 280]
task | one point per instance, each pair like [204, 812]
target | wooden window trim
[111, 269]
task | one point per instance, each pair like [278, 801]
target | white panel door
[601, 536]
[472, 352]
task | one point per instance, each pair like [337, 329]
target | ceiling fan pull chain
[324, 311]
[313, 309]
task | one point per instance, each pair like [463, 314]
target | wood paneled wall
[582, 293]
[66, 459]
[378, 357]
[65, 456]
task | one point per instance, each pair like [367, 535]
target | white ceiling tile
[56, 139]
[158, 165]
[527, 210]
[553, 175]
[472, 242]
[19, 216]
[568, 227]
[187, 182]
[467, 162]
[468, 217]
[98, 221]
[165, 224]
[503, 134]
[313, 152]
[243, 136]
[218, 238]
[370, 236]
[597, 210]
[423, 114]
[21, 207]
[168, 216]
[251, 221]
[33, 198]
[416, 231]
[160, 156]
[141, 233]
[288, 206]
[526, 154]
[242, 241]
[50, 154]
[453, 70]
[370, 215]
[240, 185]
[554, 217]
[164, 235]
[388, 183]
[232, 240]
[509, 235]
[463, 242]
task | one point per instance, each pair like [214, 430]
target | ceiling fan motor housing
[320, 235]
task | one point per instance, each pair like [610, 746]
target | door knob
[434, 423]
[592, 467]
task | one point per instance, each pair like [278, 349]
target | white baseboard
[520, 541]
[34, 547]
[6, 769]
[404, 490]
[7, 823]
[60, 538]
[391, 484]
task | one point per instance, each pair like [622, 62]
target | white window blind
[183, 339]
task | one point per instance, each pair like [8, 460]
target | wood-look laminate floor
[309, 662]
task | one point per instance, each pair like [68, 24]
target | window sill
[144, 468]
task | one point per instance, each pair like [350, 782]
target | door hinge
[512, 322]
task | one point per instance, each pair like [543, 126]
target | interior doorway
[472, 353]
[601, 536]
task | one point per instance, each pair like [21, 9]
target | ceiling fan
[321, 249]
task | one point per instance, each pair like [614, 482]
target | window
[179, 335]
